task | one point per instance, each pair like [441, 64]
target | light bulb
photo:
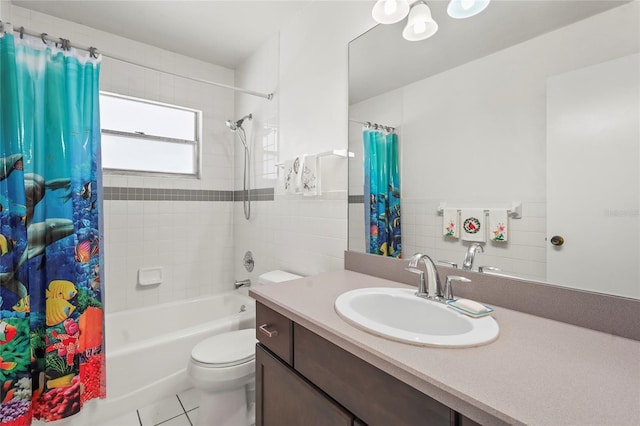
[419, 27]
[467, 4]
[390, 6]
[461, 9]
[420, 24]
[390, 11]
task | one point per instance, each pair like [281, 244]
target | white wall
[499, 103]
[191, 240]
[5, 11]
[304, 235]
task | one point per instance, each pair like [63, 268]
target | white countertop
[538, 371]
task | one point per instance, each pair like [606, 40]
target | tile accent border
[597, 311]
[162, 194]
[356, 199]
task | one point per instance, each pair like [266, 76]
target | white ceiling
[219, 32]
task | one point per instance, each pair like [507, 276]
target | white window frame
[197, 146]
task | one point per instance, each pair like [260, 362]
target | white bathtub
[147, 349]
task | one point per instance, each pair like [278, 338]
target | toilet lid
[226, 349]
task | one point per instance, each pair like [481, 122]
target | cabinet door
[285, 398]
[372, 395]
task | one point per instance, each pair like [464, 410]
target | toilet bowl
[222, 369]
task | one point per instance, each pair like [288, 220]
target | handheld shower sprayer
[235, 126]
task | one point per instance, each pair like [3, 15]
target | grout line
[181, 404]
[185, 411]
[172, 418]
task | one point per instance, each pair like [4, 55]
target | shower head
[235, 125]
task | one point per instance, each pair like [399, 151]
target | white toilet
[222, 369]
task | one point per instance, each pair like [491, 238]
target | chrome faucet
[241, 283]
[470, 255]
[429, 288]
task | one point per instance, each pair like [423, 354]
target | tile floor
[178, 410]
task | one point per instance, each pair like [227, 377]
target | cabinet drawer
[274, 331]
[368, 392]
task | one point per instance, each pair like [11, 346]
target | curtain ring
[92, 52]
[42, 37]
[65, 44]
[21, 33]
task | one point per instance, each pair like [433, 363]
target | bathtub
[147, 349]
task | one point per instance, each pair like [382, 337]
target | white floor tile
[160, 411]
[129, 419]
[189, 399]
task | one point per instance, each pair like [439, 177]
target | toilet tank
[276, 277]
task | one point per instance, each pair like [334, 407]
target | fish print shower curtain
[382, 193]
[51, 316]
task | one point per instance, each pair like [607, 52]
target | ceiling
[458, 41]
[219, 32]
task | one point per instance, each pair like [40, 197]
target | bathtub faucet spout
[242, 283]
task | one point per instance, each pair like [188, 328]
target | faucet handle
[448, 289]
[422, 292]
[446, 262]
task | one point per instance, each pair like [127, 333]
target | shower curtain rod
[375, 126]
[66, 44]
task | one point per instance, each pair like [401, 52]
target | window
[145, 136]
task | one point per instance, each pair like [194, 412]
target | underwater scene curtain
[51, 314]
[382, 193]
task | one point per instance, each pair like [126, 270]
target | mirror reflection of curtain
[382, 193]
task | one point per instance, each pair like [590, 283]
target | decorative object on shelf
[420, 24]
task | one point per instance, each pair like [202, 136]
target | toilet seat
[226, 349]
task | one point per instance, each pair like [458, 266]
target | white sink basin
[398, 314]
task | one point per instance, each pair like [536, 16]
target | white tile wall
[303, 235]
[191, 241]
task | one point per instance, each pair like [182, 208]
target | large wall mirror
[530, 102]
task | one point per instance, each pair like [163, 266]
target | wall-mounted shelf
[515, 211]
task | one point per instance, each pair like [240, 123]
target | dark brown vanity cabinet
[303, 379]
[283, 397]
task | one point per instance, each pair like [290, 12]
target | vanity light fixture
[461, 9]
[390, 11]
[421, 24]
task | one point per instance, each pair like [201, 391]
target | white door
[593, 183]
